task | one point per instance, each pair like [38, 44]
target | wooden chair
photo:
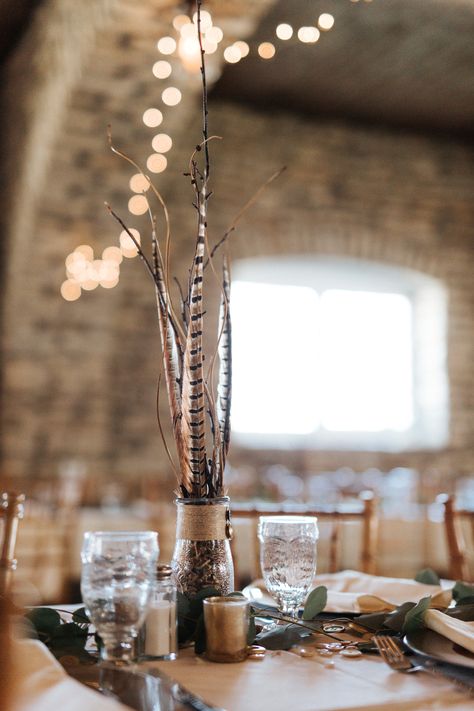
[364, 512]
[11, 511]
[459, 528]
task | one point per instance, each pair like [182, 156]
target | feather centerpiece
[199, 408]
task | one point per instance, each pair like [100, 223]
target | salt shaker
[160, 628]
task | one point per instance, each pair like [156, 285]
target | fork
[392, 654]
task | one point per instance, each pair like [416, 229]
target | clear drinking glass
[118, 571]
[288, 558]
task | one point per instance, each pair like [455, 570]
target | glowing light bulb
[171, 96]
[152, 118]
[243, 47]
[166, 45]
[89, 285]
[86, 250]
[284, 31]
[266, 50]
[138, 205]
[112, 254]
[162, 143]
[179, 22]
[209, 47]
[139, 183]
[156, 163]
[190, 53]
[189, 32]
[325, 21]
[127, 245]
[308, 34]
[73, 258]
[162, 69]
[206, 19]
[70, 290]
[109, 284]
[214, 34]
[232, 54]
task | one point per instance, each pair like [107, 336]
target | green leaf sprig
[62, 636]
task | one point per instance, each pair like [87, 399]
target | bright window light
[333, 353]
[365, 364]
[274, 341]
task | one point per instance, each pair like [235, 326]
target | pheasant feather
[192, 398]
[224, 387]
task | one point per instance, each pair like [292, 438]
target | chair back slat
[454, 518]
[11, 511]
[365, 513]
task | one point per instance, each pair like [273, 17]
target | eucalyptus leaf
[71, 634]
[200, 636]
[463, 594]
[373, 620]
[282, 637]
[81, 617]
[463, 612]
[427, 576]
[236, 593]
[195, 602]
[182, 604]
[44, 619]
[252, 630]
[315, 603]
[395, 620]
[414, 617]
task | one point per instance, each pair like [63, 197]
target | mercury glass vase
[202, 557]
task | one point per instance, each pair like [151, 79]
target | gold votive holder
[226, 620]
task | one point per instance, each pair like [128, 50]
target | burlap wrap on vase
[202, 557]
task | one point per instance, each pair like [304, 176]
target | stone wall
[80, 378]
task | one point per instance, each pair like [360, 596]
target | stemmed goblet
[117, 574]
[288, 558]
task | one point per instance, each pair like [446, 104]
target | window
[337, 353]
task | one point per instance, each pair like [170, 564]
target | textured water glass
[118, 571]
[288, 558]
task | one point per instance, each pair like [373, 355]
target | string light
[152, 118]
[325, 21]
[139, 183]
[162, 143]
[284, 31]
[190, 52]
[206, 19]
[214, 34]
[105, 284]
[112, 254]
[156, 163]
[171, 96]
[179, 22]
[232, 54]
[70, 290]
[127, 245]
[86, 250]
[243, 48]
[89, 284]
[138, 205]
[209, 47]
[308, 34]
[266, 50]
[166, 45]
[162, 69]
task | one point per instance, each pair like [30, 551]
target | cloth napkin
[457, 631]
[352, 591]
[41, 684]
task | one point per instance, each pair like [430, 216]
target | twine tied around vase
[196, 522]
